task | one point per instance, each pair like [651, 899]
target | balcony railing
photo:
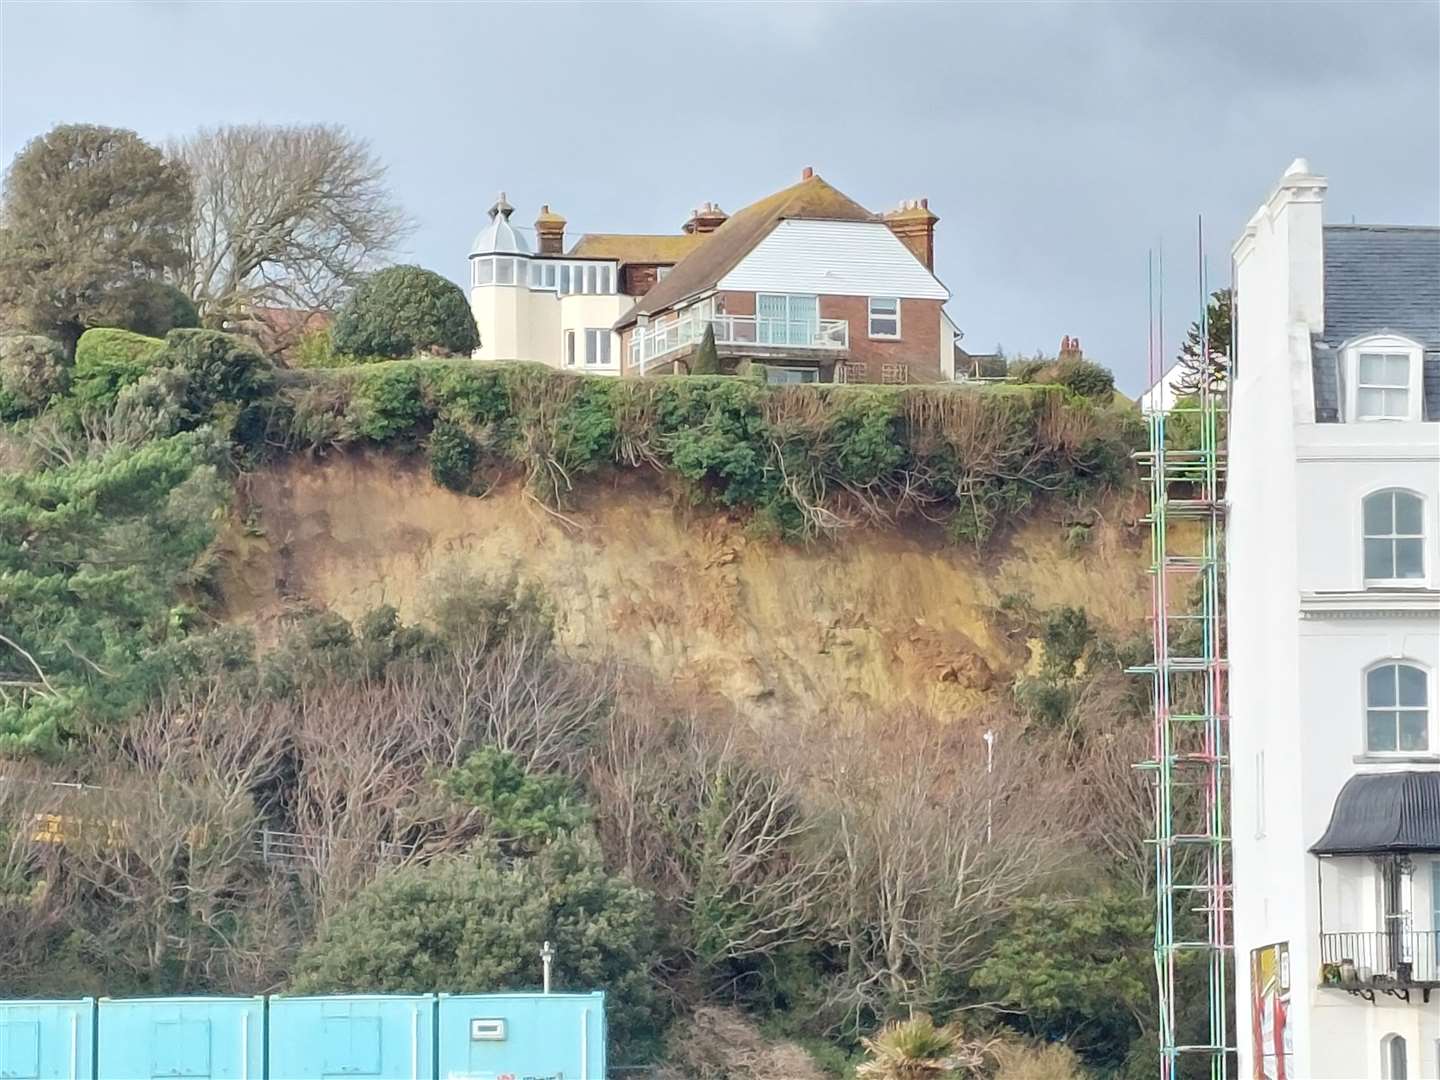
[660, 340]
[1395, 959]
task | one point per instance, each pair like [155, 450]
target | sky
[1059, 143]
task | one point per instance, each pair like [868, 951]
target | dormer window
[1383, 379]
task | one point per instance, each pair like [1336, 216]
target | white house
[1334, 638]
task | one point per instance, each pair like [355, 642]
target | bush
[315, 349]
[152, 308]
[223, 373]
[452, 456]
[1086, 378]
[523, 811]
[32, 371]
[406, 310]
[475, 924]
[107, 360]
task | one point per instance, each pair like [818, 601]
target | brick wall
[638, 278]
[915, 357]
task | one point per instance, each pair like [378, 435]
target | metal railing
[659, 340]
[1399, 956]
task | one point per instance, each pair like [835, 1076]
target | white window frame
[487, 277]
[570, 348]
[597, 347]
[1396, 582]
[1387, 1059]
[1428, 708]
[872, 316]
[1384, 345]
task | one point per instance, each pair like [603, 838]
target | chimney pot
[808, 173]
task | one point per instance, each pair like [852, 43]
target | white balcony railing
[660, 340]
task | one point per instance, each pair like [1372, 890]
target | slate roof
[663, 249]
[1378, 278]
[1384, 812]
[811, 198]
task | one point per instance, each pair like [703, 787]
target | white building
[1334, 640]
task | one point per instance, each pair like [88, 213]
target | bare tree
[285, 216]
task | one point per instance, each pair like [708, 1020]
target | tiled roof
[811, 198]
[1378, 278]
[637, 247]
[1382, 277]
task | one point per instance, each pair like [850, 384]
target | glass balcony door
[787, 319]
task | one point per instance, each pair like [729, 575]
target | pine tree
[1198, 369]
[707, 358]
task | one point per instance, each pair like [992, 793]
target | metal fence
[1398, 955]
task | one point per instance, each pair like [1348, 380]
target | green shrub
[32, 371]
[405, 310]
[475, 924]
[523, 811]
[315, 349]
[152, 308]
[1086, 378]
[452, 456]
[107, 360]
[1025, 371]
[224, 373]
[707, 358]
[388, 403]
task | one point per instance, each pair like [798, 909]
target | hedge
[107, 360]
[811, 459]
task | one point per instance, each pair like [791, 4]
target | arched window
[1393, 1056]
[1394, 537]
[1397, 716]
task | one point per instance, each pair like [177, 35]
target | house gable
[834, 258]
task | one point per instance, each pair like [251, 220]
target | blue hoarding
[364, 1036]
[522, 1036]
[47, 1040]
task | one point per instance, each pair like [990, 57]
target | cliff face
[880, 615]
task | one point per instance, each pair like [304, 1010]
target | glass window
[597, 348]
[1382, 386]
[564, 277]
[607, 284]
[662, 272]
[590, 279]
[1397, 1067]
[536, 275]
[549, 275]
[504, 271]
[1397, 714]
[484, 271]
[791, 375]
[569, 348]
[1394, 523]
[884, 317]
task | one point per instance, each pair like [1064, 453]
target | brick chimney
[914, 223]
[1070, 348]
[807, 173]
[550, 232]
[706, 219]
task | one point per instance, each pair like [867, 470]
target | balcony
[747, 335]
[1394, 962]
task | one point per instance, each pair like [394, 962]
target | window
[484, 271]
[894, 374]
[1397, 717]
[784, 319]
[884, 317]
[662, 272]
[791, 375]
[565, 278]
[597, 348]
[549, 280]
[1382, 379]
[1394, 537]
[1393, 1056]
[504, 271]
[569, 348]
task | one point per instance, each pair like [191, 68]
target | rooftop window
[1382, 377]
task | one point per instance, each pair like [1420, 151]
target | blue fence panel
[353, 1037]
[522, 1036]
[191, 1038]
[47, 1040]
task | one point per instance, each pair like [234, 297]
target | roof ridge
[1391, 228]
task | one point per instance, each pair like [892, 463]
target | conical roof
[500, 237]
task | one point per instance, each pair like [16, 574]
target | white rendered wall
[1297, 659]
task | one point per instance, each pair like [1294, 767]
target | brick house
[809, 283]
[806, 281]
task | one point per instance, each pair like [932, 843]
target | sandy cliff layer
[879, 615]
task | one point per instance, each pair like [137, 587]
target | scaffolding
[1184, 468]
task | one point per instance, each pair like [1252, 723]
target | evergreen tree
[1196, 368]
[707, 357]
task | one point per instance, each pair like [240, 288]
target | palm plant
[916, 1049]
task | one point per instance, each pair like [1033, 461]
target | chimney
[1070, 348]
[914, 224]
[706, 219]
[550, 232]
[807, 173]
